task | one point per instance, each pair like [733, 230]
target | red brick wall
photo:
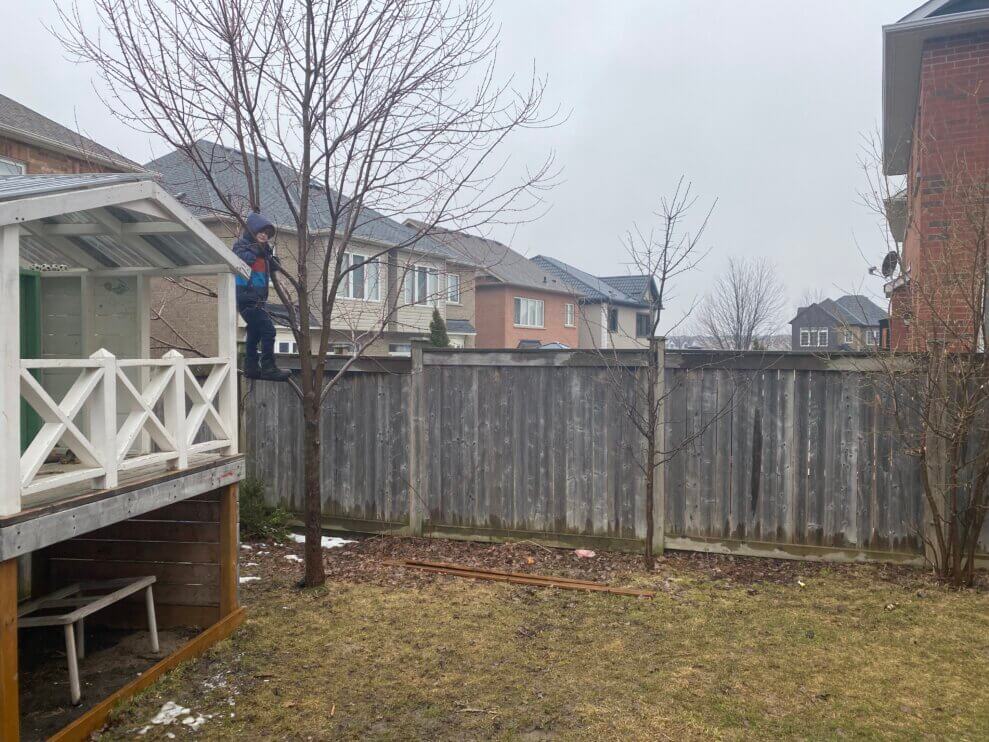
[495, 318]
[949, 163]
[44, 161]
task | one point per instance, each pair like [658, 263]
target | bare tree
[373, 107]
[662, 254]
[934, 379]
[744, 305]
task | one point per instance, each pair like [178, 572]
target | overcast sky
[761, 104]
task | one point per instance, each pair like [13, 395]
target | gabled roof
[634, 286]
[19, 122]
[181, 177]
[903, 44]
[492, 257]
[852, 309]
[105, 222]
[592, 288]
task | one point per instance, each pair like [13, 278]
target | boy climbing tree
[254, 248]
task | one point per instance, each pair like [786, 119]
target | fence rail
[787, 454]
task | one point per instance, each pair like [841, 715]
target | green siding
[30, 345]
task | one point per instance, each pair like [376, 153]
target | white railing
[133, 413]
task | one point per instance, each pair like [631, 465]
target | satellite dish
[890, 262]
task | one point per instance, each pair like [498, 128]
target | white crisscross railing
[132, 413]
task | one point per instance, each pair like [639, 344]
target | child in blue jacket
[254, 248]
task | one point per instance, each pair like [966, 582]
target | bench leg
[70, 653]
[81, 638]
[149, 598]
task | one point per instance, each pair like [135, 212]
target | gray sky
[761, 104]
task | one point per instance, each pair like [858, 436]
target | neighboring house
[401, 288]
[33, 144]
[615, 311]
[707, 342]
[935, 132]
[512, 302]
[849, 322]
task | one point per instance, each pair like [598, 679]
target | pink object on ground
[585, 553]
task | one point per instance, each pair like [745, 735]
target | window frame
[823, 333]
[805, 337]
[849, 337]
[569, 315]
[16, 163]
[400, 353]
[647, 317]
[412, 281]
[612, 319]
[518, 314]
[455, 278]
[349, 282]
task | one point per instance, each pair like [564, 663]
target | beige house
[385, 302]
[616, 312]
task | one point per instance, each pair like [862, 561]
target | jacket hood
[256, 222]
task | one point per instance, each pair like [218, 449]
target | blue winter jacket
[253, 290]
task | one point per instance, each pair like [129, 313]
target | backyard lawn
[729, 648]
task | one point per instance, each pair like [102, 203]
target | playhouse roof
[106, 222]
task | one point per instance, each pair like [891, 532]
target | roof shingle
[592, 288]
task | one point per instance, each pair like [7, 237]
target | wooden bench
[84, 599]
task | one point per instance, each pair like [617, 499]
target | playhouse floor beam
[9, 709]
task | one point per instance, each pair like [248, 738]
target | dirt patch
[113, 658]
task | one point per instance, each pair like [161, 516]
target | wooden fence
[778, 454]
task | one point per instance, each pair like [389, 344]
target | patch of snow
[293, 557]
[327, 542]
[194, 722]
[247, 547]
[168, 713]
[248, 578]
[251, 564]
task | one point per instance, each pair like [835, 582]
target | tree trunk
[315, 573]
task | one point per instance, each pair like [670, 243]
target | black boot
[271, 372]
[252, 370]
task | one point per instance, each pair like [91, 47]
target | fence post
[175, 416]
[659, 472]
[103, 416]
[417, 443]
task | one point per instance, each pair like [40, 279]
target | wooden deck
[72, 511]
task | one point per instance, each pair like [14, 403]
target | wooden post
[10, 370]
[103, 417]
[229, 550]
[659, 480]
[143, 347]
[226, 340]
[9, 708]
[417, 443]
[175, 416]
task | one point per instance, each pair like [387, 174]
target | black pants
[260, 330]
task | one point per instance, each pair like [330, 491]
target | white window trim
[805, 337]
[456, 301]
[648, 317]
[822, 335]
[348, 282]
[432, 297]
[849, 337]
[15, 163]
[569, 315]
[542, 313]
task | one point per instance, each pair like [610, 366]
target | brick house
[32, 144]
[615, 311]
[936, 133]
[402, 289]
[513, 302]
[849, 322]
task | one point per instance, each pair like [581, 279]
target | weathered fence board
[783, 450]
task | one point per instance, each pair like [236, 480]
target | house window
[643, 325]
[283, 347]
[849, 337]
[453, 288]
[872, 337]
[342, 349]
[400, 349]
[362, 281]
[813, 337]
[528, 312]
[420, 285]
[612, 320]
[569, 315]
[288, 346]
[11, 167]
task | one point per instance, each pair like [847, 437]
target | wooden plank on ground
[93, 719]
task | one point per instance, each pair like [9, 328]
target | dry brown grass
[851, 653]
